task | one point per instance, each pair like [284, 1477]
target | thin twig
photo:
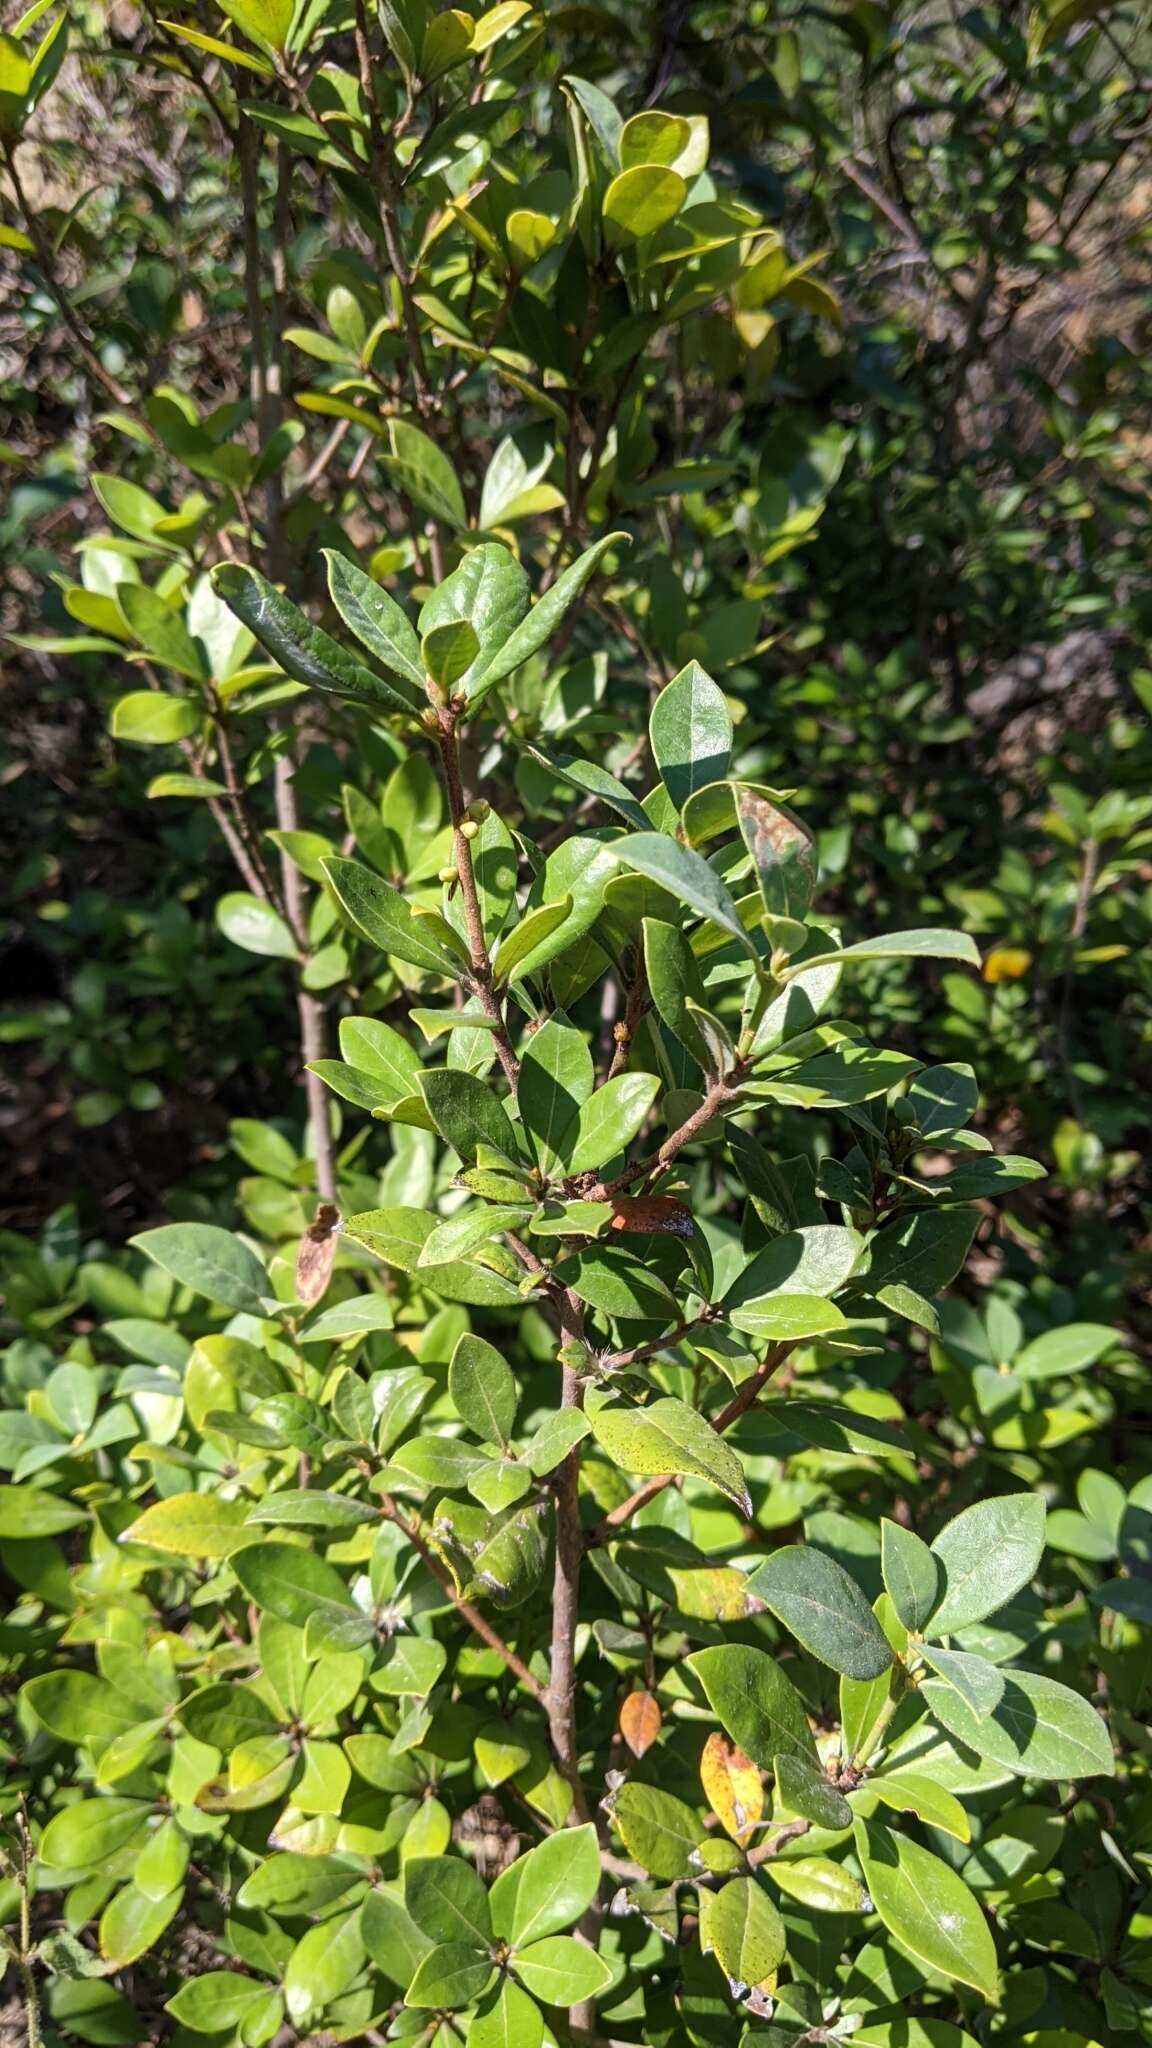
[464, 1608]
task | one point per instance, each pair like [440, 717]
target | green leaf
[525, 938]
[668, 1436]
[979, 1684]
[490, 593]
[987, 1554]
[467, 1231]
[929, 944]
[745, 1932]
[132, 1923]
[511, 2020]
[75, 1705]
[447, 1901]
[310, 1509]
[1067, 1350]
[928, 1908]
[924, 1251]
[807, 1792]
[824, 1608]
[561, 1970]
[616, 1283]
[425, 473]
[483, 1390]
[290, 1582]
[909, 1792]
[641, 200]
[1037, 1729]
[210, 1261]
[609, 1120]
[450, 1976]
[255, 926]
[818, 1883]
[215, 2002]
[304, 651]
[192, 1525]
[690, 730]
[683, 873]
[537, 628]
[594, 780]
[556, 1077]
[324, 1962]
[385, 918]
[27, 1513]
[161, 630]
[942, 1099]
[912, 1575]
[448, 652]
[787, 1318]
[153, 718]
[547, 1889]
[756, 1703]
[129, 507]
[468, 1115]
[92, 1832]
[266, 21]
[660, 1831]
[376, 619]
[818, 1260]
[676, 985]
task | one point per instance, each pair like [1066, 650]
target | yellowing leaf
[732, 1785]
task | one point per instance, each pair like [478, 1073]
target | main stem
[267, 398]
[561, 1696]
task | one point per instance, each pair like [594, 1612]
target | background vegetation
[831, 370]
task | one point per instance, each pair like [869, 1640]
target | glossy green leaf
[928, 1908]
[376, 619]
[483, 1389]
[547, 1889]
[192, 1525]
[825, 1609]
[1037, 1729]
[658, 1830]
[683, 873]
[609, 1120]
[560, 1970]
[304, 651]
[746, 1932]
[690, 730]
[912, 1574]
[986, 1555]
[755, 1702]
[385, 918]
[210, 1261]
[669, 1436]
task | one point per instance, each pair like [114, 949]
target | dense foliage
[571, 1401]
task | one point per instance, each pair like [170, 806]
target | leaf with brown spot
[732, 1785]
[783, 852]
[640, 1721]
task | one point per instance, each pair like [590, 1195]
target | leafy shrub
[554, 1566]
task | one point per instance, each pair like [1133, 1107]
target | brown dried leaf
[317, 1253]
[640, 1721]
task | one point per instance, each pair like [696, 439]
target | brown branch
[743, 1399]
[561, 1695]
[267, 399]
[383, 175]
[464, 1608]
[720, 1093]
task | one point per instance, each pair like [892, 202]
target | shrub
[540, 1559]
